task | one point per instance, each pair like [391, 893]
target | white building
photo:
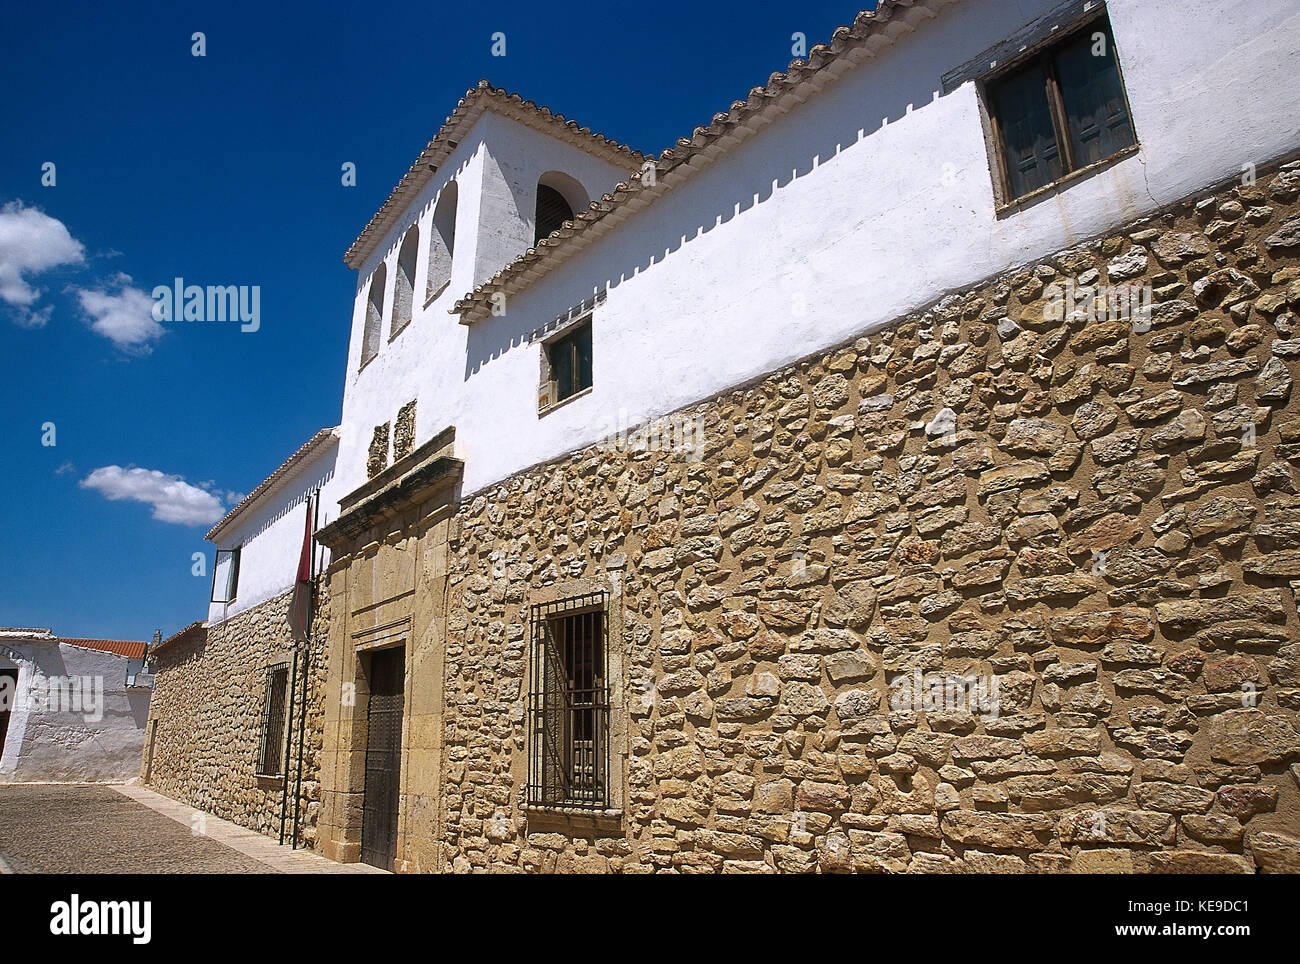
[858, 190]
[71, 709]
[530, 286]
[864, 184]
[259, 540]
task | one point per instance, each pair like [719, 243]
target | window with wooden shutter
[225, 575]
[569, 705]
[566, 366]
[1059, 110]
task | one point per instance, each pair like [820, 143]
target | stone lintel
[440, 473]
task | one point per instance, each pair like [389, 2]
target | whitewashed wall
[270, 533]
[497, 165]
[42, 745]
[873, 198]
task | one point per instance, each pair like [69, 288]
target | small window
[404, 287]
[569, 705]
[225, 575]
[552, 211]
[442, 242]
[270, 753]
[568, 365]
[1061, 110]
[374, 320]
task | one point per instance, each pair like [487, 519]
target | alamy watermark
[57, 694]
[181, 302]
[1100, 303]
[676, 434]
[945, 692]
[127, 918]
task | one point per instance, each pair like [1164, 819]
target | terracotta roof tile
[131, 649]
[180, 636]
[468, 110]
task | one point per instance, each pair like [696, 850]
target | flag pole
[288, 743]
[293, 685]
[306, 667]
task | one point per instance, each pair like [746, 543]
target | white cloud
[122, 314]
[31, 242]
[173, 499]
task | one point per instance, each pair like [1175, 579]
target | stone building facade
[1096, 510]
[206, 720]
[222, 684]
[852, 487]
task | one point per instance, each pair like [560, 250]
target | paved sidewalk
[60, 828]
[250, 843]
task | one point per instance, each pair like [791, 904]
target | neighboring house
[894, 475]
[74, 710]
[235, 677]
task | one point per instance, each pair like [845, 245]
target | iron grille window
[570, 362]
[1061, 110]
[569, 705]
[271, 747]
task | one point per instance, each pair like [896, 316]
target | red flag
[301, 603]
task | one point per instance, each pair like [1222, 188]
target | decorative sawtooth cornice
[849, 45]
[478, 99]
[307, 449]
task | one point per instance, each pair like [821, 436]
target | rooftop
[870, 32]
[18, 632]
[304, 452]
[478, 99]
[130, 648]
[181, 635]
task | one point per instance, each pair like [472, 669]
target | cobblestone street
[93, 829]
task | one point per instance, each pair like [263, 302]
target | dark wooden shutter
[1028, 137]
[233, 591]
[1096, 111]
[582, 358]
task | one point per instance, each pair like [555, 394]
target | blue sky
[226, 169]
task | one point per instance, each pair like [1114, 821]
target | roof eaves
[21, 632]
[179, 636]
[305, 451]
[468, 110]
[849, 45]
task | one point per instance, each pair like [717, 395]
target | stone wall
[1096, 515]
[206, 719]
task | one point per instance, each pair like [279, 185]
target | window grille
[271, 746]
[569, 704]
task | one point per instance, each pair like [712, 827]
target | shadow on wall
[264, 518]
[451, 191]
[836, 120]
[139, 705]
